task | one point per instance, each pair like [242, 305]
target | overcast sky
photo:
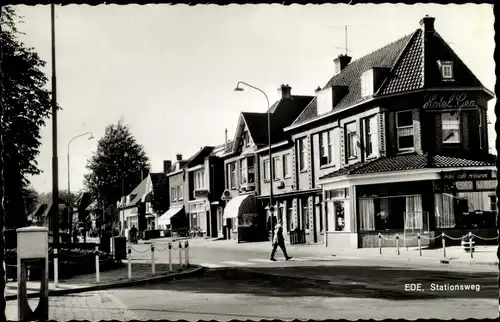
[169, 71]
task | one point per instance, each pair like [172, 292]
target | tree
[27, 105]
[119, 162]
[46, 197]
[31, 200]
[160, 198]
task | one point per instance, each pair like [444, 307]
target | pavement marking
[210, 265]
[236, 263]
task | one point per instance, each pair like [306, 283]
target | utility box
[33, 242]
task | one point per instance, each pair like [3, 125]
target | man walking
[279, 240]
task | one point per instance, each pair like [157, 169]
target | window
[243, 171]
[245, 138]
[302, 154]
[304, 218]
[446, 68]
[231, 175]
[199, 180]
[173, 192]
[265, 170]
[276, 168]
[493, 203]
[180, 192]
[286, 166]
[351, 139]
[370, 139]
[481, 128]
[450, 125]
[367, 83]
[326, 148]
[404, 124]
[251, 169]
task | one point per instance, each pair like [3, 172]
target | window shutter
[342, 146]
[381, 134]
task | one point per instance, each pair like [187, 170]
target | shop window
[304, 213]
[351, 140]
[287, 166]
[446, 68]
[493, 203]
[450, 124]
[301, 151]
[339, 215]
[404, 124]
[370, 136]
[445, 210]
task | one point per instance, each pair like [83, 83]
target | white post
[186, 253]
[419, 244]
[56, 268]
[397, 242]
[129, 263]
[471, 246]
[380, 243]
[180, 254]
[97, 274]
[444, 245]
[153, 259]
[170, 257]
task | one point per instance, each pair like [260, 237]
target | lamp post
[271, 207]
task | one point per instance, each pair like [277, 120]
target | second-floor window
[370, 139]
[404, 125]
[451, 128]
[180, 192]
[243, 171]
[276, 168]
[301, 151]
[231, 174]
[199, 180]
[367, 83]
[265, 170]
[287, 166]
[351, 140]
[173, 194]
[326, 148]
[446, 68]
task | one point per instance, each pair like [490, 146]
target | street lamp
[69, 177]
[271, 207]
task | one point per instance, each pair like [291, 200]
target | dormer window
[245, 138]
[446, 68]
[367, 83]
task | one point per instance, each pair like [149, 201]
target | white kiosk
[33, 247]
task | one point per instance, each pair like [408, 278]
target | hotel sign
[464, 175]
[455, 101]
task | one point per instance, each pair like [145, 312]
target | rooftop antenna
[345, 40]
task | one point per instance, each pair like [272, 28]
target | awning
[239, 205]
[165, 218]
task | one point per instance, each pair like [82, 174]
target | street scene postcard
[248, 162]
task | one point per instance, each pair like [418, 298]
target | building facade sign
[455, 101]
[337, 193]
[465, 175]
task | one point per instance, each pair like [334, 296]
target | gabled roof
[139, 191]
[411, 63]
[199, 157]
[405, 162]
[222, 149]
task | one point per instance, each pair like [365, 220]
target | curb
[150, 280]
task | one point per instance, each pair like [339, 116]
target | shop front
[199, 213]
[241, 219]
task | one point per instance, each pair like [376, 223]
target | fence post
[443, 240]
[180, 254]
[186, 252]
[471, 247]
[56, 268]
[153, 258]
[129, 263]
[419, 244]
[170, 257]
[380, 243]
[397, 242]
[97, 273]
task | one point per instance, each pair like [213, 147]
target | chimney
[317, 90]
[178, 157]
[285, 91]
[341, 62]
[167, 166]
[225, 139]
[427, 24]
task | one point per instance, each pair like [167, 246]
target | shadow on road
[338, 281]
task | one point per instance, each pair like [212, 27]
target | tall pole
[271, 207]
[55, 167]
[123, 208]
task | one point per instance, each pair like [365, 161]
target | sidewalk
[483, 255]
[141, 273]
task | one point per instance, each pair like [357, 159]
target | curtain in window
[413, 215]
[445, 210]
[367, 214]
[476, 200]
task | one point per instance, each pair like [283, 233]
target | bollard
[380, 243]
[471, 246]
[129, 263]
[419, 244]
[153, 259]
[180, 254]
[97, 273]
[170, 257]
[56, 268]
[186, 253]
[397, 242]
[444, 244]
